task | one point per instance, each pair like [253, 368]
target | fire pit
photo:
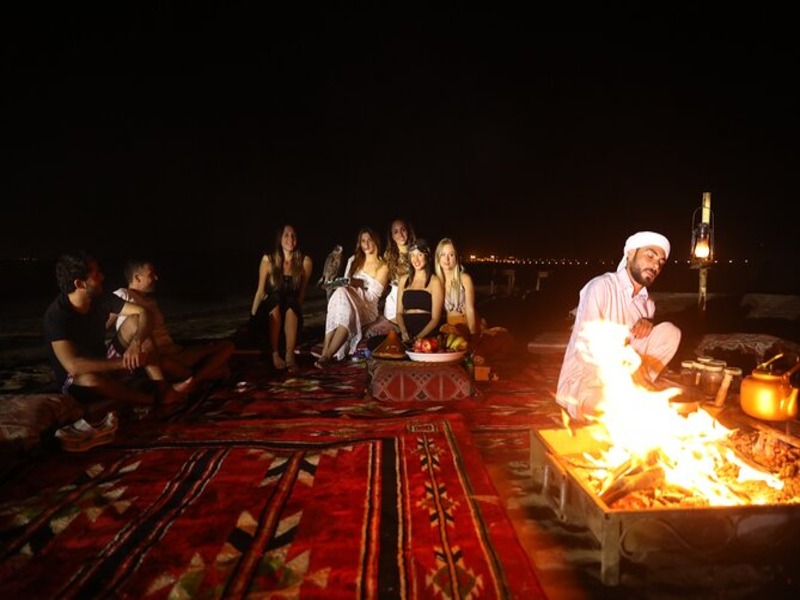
[658, 486]
[761, 534]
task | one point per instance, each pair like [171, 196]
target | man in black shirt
[75, 326]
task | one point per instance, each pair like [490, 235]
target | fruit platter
[446, 347]
[444, 356]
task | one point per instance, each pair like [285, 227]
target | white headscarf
[640, 240]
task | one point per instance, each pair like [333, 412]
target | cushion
[24, 418]
[746, 350]
[404, 380]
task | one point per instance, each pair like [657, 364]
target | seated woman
[401, 236]
[354, 305]
[283, 277]
[420, 300]
[459, 291]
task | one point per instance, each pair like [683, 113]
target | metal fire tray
[760, 534]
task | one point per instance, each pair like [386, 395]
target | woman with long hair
[420, 301]
[459, 291]
[355, 304]
[283, 277]
[401, 235]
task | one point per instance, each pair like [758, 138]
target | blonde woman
[459, 291]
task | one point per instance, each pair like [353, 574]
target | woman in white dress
[354, 305]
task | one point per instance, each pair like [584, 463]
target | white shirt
[608, 296]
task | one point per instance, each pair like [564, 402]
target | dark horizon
[205, 278]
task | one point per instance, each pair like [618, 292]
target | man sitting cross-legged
[193, 364]
[75, 326]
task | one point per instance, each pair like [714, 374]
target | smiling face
[288, 239]
[447, 257]
[368, 244]
[399, 233]
[93, 284]
[418, 259]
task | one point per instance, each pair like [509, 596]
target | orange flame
[635, 423]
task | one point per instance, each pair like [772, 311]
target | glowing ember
[647, 443]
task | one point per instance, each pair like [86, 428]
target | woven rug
[524, 396]
[318, 508]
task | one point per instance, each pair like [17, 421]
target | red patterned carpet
[285, 486]
[302, 485]
[266, 508]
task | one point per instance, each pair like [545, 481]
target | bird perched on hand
[330, 269]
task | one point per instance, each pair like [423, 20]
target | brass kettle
[769, 396]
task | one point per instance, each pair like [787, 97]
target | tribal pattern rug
[399, 508]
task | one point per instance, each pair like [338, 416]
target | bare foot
[279, 363]
[185, 386]
[291, 363]
[322, 362]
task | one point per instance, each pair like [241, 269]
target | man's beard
[639, 277]
[95, 291]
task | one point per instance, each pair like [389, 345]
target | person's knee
[667, 334]
[127, 330]
[89, 380]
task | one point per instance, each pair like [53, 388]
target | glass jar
[698, 372]
[711, 379]
[722, 391]
[687, 373]
[736, 378]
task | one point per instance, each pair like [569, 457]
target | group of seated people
[96, 341]
[77, 324]
[405, 288]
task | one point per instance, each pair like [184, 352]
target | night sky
[201, 132]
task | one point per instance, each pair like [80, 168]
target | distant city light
[516, 260]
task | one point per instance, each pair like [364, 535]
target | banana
[450, 338]
[458, 343]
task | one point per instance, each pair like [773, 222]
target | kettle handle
[767, 363]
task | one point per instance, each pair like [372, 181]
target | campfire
[644, 454]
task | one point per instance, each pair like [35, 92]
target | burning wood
[645, 479]
[648, 455]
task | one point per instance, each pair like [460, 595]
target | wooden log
[647, 479]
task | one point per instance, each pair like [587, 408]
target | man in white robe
[620, 297]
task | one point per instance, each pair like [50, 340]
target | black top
[86, 331]
[417, 300]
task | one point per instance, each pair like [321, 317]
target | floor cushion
[26, 418]
[747, 350]
[403, 380]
